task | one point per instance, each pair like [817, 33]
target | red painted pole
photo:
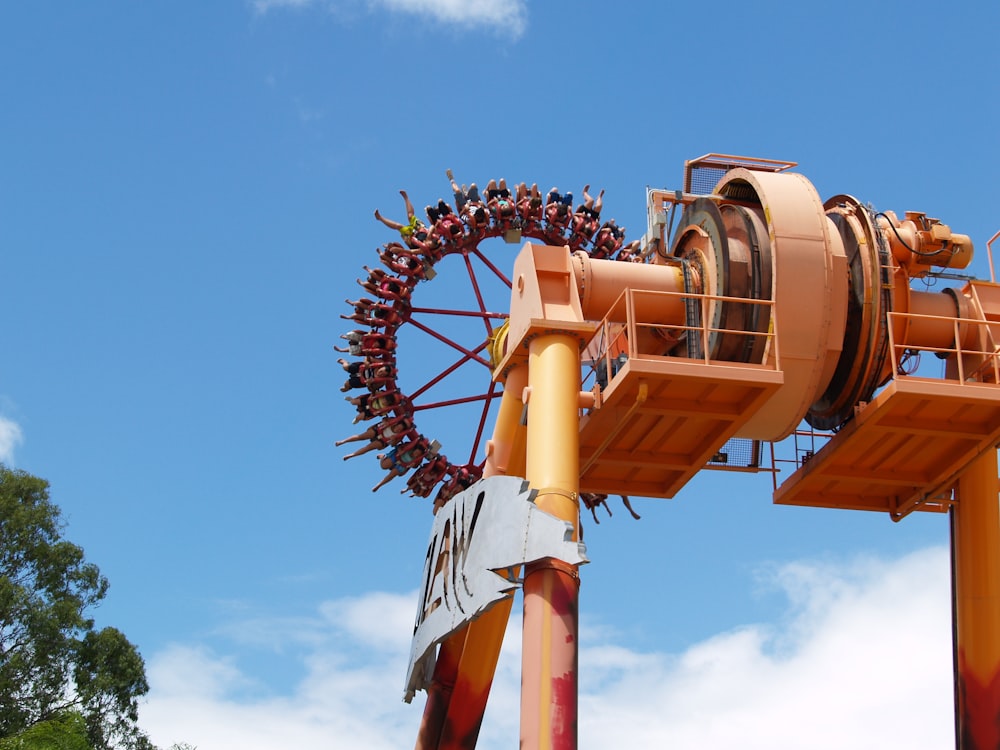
[467, 660]
[551, 587]
[976, 555]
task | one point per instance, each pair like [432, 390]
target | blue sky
[186, 199]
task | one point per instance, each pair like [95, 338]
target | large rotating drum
[834, 271]
[770, 239]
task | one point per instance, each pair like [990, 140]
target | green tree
[67, 731]
[54, 664]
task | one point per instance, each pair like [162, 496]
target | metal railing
[984, 357]
[618, 333]
[989, 254]
[803, 444]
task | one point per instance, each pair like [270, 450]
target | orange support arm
[976, 554]
[467, 661]
[551, 587]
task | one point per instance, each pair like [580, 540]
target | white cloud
[507, 17]
[860, 658]
[262, 6]
[10, 438]
[350, 695]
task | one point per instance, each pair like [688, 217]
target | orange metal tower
[757, 307]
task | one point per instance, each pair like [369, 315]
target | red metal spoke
[449, 342]
[440, 376]
[477, 290]
[492, 267]
[467, 313]
[452, 402]
[490, 395]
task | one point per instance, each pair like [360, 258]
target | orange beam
[467, 660]
[976, 555]
[551, 588]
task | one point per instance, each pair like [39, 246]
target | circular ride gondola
[390, 311]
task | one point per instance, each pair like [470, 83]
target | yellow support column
[551, 588]
[976, 555]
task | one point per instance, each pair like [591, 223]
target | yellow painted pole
[551, 588]
[467, 661]
[506, 449]
[976, 555]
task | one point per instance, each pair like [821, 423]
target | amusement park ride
[749, 307]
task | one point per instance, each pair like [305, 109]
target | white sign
[479, 537]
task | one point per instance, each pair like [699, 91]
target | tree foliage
[66, 731]
[54, 664]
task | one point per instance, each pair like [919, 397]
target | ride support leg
[976, 556]
[551, 588]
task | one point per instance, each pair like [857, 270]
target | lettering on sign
[478, 541]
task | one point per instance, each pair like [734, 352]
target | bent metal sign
[478, 541]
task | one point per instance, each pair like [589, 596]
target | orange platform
[903, 451]
[661, 419]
